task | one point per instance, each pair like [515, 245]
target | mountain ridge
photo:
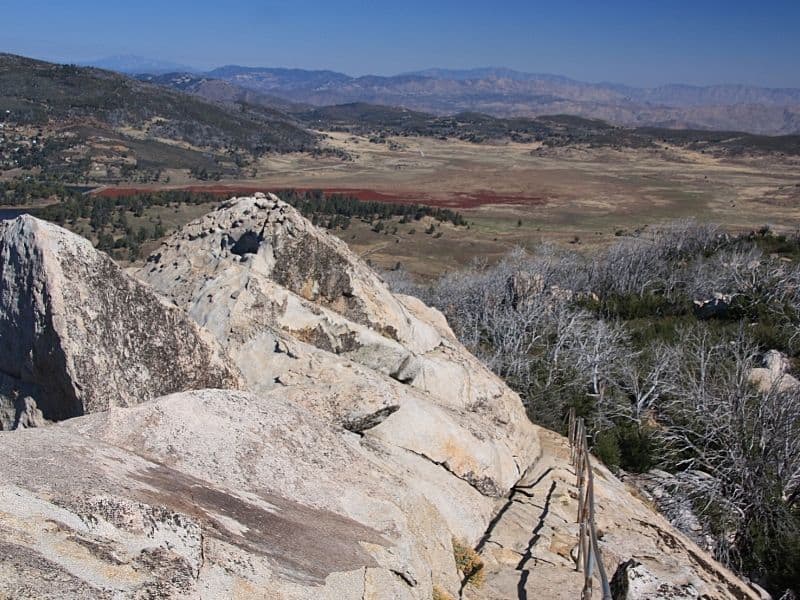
[134, 64]
[131, 64]
[507, 93]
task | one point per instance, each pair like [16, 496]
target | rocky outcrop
[634, 581]
[78, 336]
[262, 237]
[715, 307]
[530, 548]
[368, 438]
[668, 492]
[238, 497]
[773, 374]
[293, 305]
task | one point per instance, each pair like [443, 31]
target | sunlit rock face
[347, 440]
[77, 335]
[293, 305]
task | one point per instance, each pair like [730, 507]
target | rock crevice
[349, 437]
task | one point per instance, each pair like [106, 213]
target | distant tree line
[110, 225]
[21, 191]
[104, 211]
[316, 202]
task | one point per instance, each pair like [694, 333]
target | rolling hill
[557, 130]
[219, 90]
[551, 130]
[36, 91]
[81, 123]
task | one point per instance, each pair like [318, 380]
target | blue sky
[642, 42]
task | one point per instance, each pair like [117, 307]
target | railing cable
[589, 557]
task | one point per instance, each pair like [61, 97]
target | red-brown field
[516, 194]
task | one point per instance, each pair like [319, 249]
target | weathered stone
[81, 336]
[774, 373]
[633, 581]
[538, 525]
[712, 308]
[300, 288]
[277, 504]
[669, 493]
[267, 237]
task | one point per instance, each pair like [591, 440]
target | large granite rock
[773, 374]
[212, 494]
[293, 305]
[78, 336]
[634, 581]
[266, 237]
[368, 440]
[530, 548]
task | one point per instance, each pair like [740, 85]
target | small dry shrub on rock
[469, 563]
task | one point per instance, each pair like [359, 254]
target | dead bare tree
[742, 444]
[644, 378]
[543, 321]
[599, 353]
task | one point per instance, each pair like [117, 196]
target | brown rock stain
[304, 543]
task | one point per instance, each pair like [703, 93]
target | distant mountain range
[131, 64]
[378, 121]
[507, 93]
[92, 121]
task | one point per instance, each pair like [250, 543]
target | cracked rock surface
[261, 277]
[531, 545]
[350, 440]
[78, 336]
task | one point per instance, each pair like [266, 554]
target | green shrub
[636, 447]
[626, 446]
[771, 551]
[606, 448]
[635, 306]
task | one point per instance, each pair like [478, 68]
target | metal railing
[589, 557]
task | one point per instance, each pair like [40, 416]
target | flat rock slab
[529, 548]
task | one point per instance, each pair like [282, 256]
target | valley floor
[521, 194]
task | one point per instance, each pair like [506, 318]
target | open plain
[516, 194]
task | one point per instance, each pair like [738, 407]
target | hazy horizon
[621, 42]
[189, 68]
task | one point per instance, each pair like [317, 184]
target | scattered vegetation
[36, 92]
[24, 191]
[654, 341]
[381, 122]
[336, 210]
[469, 563]
[83, 124]
[121, 225]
